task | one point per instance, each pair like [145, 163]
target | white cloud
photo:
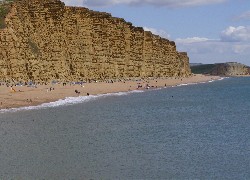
[206, 50]
[197, 47]
[241, 48]
[236, 34]
[216, 51]
[74, 2]
[244, 16]
[191, 40]
[167, 3]
[215, 47]
[159, 32]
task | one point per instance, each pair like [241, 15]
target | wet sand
[21, 96]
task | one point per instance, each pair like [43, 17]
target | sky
[210, 31]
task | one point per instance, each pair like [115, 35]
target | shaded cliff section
[222, 69]
[46, 40]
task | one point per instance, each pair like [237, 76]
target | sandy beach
[20, 96]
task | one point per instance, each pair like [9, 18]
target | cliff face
[230, 69]
[45, 40]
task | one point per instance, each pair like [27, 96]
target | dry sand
[30, 96]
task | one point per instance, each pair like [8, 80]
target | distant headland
[46, 40]
[221, 69]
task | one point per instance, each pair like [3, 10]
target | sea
[190, 131]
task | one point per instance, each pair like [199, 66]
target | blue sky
[211, 31]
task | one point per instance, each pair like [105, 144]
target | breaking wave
[68, 101]
[81, 99]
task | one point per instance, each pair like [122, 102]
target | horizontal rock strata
[46, 40]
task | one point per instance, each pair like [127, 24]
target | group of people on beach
[50, 89]
[146, 86]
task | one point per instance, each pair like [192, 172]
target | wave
[202, 82]
[68, 101]
[81, 99]
[222, 78]
[182, 85]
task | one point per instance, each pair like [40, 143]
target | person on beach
[12, 89]
[29, 100]
[77, 92]
[51, 89]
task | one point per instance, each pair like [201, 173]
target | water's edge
[77, 100]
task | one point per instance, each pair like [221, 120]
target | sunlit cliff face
[44, 41]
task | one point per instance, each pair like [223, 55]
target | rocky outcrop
[230, 69]
[45, 40]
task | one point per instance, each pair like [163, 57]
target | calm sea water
[189, 132]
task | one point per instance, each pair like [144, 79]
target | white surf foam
[182, 85]
[81, 99]
[67, 101]
[202, 82]
[223, 78]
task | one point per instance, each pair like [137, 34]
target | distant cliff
[230, 69]
[45, 40]
[222, 69]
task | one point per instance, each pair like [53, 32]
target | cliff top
[4, 10]
[6, 1]
[44, 40]
[5, 6]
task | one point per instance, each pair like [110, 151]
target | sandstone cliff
[45, 40]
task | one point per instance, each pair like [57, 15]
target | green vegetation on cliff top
[202, 69]
[4, 10]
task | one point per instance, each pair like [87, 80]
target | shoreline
[23, 96]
